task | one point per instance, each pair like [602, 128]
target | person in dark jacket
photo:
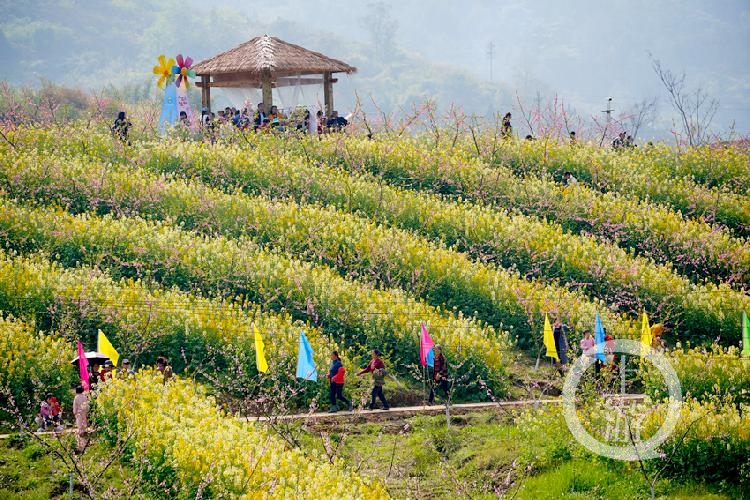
[560, 333]
[377, 368]
[121, 126]
[439, 375]
[507, 128]
[336, 379]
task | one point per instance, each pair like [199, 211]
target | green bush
[710, 443]
[32, 364]
[358, 314]
[703, 374]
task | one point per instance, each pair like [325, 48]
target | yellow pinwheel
[164, 70]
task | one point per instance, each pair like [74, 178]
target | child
[587, 344]
[50, 413]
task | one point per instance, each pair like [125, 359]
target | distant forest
[115, 44]
[405, 53]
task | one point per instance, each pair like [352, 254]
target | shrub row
[357, 247]
[633, 173]
[145, 321]
[352, 313]
[31, 364]
[704, 311]
[694, 247]
[703, 374]
[198, 450]
[710, 442]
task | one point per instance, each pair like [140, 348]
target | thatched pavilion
[266, 62]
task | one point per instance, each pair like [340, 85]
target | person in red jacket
[336, 378]
[439, 375]
[377, 368]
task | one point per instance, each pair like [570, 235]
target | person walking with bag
[336, 378]
[377, 368]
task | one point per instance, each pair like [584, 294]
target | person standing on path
[439, 375]
[587, 344]
[377, 368]
[560, 332]
[81, 413]
[336, 377]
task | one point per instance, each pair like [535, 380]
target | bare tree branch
[696, 108]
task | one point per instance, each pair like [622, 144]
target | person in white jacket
[81, 413]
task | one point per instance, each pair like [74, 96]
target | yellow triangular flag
[549, 340]
[646, 337]
[105, 347]
[260, 355]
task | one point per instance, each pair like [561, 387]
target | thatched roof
[270, 54]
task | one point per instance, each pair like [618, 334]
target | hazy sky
[585, 50]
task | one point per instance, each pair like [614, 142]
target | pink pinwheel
[183, 69]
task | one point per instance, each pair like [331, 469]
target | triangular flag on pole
[646, 337]
[426, 352]
[305, 363]
[599, 339]
[260, 355]
[745, 335]
[104, 346]
[549, 340]
[83, 367]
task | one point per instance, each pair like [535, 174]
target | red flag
[426, 354]
[83, 367]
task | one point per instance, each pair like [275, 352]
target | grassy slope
[28, 471]
[481, 456]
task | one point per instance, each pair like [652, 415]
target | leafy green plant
[704, 374]
[31, 365]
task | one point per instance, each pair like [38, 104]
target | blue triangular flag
[305, 363]
[599, 338]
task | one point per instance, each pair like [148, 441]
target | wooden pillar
[206, 92]
[328, 93]
[266, 86]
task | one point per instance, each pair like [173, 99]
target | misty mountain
[407, 51]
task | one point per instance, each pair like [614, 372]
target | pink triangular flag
[83, 367]
[425, 347]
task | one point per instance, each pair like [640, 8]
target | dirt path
[406, 411]
[401, 412]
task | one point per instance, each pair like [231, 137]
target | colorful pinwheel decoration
[183, 69]
[164, 70]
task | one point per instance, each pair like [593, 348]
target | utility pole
[608, 112]
[491, 55]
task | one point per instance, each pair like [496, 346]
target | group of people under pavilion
[266, 63]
